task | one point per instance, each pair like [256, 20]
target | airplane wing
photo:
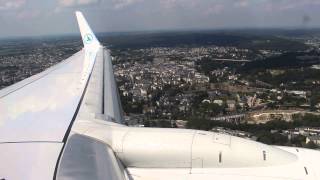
[37, 115]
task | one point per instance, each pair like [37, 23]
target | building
[314, 139]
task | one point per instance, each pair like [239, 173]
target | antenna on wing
[90, 41]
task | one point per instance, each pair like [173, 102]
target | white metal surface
[101, 99]
[35, 115]
[41, 108]
[28, 161]
[157, 148]
[156, 154]
[86, 158]
[177, 148]
[89, 39]
[305, 168]
[112, 104]
[213, 150]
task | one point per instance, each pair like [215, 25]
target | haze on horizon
[49, 17]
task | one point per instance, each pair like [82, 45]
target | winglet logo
[88, 38]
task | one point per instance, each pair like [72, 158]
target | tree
[312, 145]
[272, 138]
[298, 141]
[314, 99]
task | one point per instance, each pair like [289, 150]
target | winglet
[89, 39]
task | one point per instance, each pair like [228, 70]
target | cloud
[216, 9]
[27, 14]
[132, 15]
[306, 19]
[287, 5]
[119, 4]
[241, 3]
[11, 4]
[75, 3]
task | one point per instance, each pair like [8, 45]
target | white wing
[37, 114]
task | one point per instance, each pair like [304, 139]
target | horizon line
[162, 31]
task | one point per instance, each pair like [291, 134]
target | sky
[50, 17]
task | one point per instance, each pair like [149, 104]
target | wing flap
[86, 158]
[112, 104]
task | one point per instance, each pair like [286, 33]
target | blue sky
[42, 17]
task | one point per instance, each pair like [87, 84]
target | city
[248, 90]
[160, 89]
